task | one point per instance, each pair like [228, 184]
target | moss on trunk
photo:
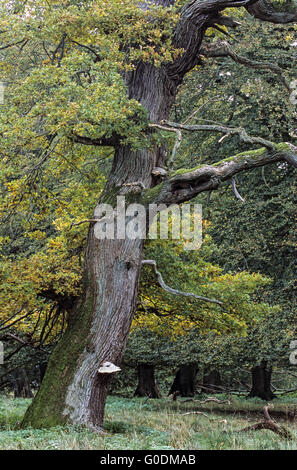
[47, 408]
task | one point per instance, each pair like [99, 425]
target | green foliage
[71, 59]
[170, 329]
[63, 68]
[222, 91]
[64, 76]
[258, 236]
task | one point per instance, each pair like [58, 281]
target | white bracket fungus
[108, 368]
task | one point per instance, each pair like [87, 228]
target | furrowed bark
[72, 389]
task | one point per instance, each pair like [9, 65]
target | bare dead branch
[177, 142]
[221, 128]
[219, 420]
[197, 413]
[175, 291]
[236, 193]
[281, 392]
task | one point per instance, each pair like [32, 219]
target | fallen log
[269, 423]
[207, 400]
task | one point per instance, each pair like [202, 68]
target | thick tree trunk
[147, 385]
[261, 382]
[72, 389]
[212, 381]
[184, 382]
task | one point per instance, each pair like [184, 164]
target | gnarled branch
[240, 131]
[197, 16]
[224, 49]
[185, 185]
[263, 10]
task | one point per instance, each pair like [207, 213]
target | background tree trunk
[42, 369]
[21, 383]
[147, 385]
[261, 382]
[184, 382]
[212, 381]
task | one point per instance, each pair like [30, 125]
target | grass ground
[134, 423]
